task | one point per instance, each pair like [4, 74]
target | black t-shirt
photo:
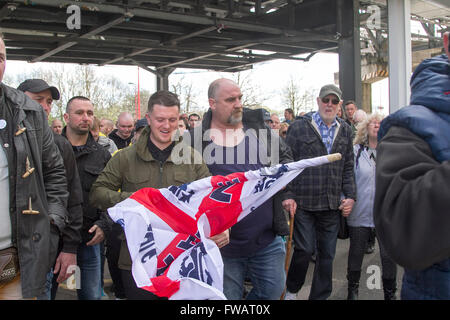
[254, 232]
[158, 154]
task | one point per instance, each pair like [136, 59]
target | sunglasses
[283, 132]
[333, 101]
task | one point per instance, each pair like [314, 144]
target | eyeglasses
[333, 101]
[283, 133]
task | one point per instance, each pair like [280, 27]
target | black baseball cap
[140, 124]
[266, 115]
[38, 85]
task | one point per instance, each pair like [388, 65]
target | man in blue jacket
[411, 210]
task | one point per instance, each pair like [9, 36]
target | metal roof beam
[180, 17]
[204, 56]
[84, 36]
[7, 9]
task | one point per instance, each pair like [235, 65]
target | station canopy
[160, 35]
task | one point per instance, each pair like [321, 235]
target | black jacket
[411, 200]
[91, 161]
[319, 188]
[34, 235]
[120, 143]
[251, 119]
[71, 236]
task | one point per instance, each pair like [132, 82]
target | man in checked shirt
[317, 192]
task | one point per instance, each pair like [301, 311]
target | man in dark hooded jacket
[412, 201]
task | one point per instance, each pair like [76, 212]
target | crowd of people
[58, 181]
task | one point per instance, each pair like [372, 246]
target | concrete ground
[370, 285]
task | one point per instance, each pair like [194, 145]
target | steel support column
[349, 50]
[162, 79]
[399, 13]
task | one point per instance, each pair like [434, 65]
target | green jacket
[134, 168]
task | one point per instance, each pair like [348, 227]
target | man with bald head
[57, 126]
[124, 133]
[276, 124]
[234, 136]
[106, 126]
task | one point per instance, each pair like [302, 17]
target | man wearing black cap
[318, 190]
[39, 91]
[138, 128]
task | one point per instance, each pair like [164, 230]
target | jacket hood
[430, 84]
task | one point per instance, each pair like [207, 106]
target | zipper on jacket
[161, 173]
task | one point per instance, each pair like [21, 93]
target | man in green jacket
[148, 163]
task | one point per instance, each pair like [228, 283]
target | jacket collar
[20, 99]
[90, 142]
[142, 146]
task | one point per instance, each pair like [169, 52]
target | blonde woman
[360, 220]
[283, 130]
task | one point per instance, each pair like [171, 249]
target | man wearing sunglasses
[317, 192]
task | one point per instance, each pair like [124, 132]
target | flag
[168, 230]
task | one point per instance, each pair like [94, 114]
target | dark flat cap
[38, 85]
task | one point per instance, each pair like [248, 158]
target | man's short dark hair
[290, 110]
[164, 98]
[194, 115]
[349, 102]
[75, 98]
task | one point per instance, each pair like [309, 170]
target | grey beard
[234, 119]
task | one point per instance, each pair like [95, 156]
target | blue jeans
[265, 270]
[89, 262]
[46, 295]
[432, 283]
[325, 226]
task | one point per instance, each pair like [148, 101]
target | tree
[296, 97]
[187, 95]
[109, 94]
[251, 93]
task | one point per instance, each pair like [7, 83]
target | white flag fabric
[167, 229]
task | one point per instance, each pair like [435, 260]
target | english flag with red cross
[168, 230]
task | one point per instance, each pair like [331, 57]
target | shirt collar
[318, 119]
